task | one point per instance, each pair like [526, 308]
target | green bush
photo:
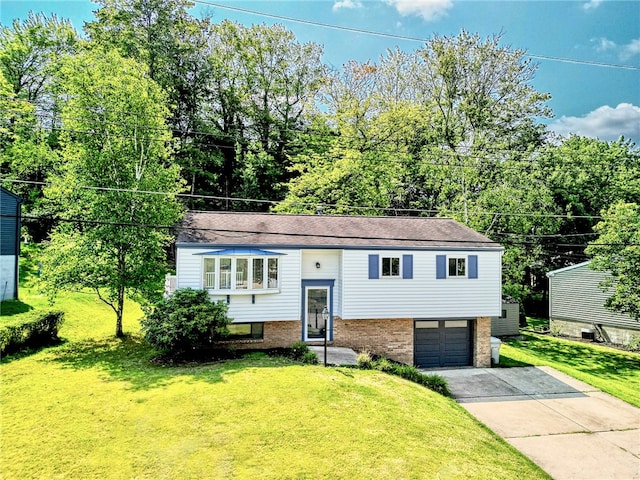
[34, 330]
[310, 358]
[187, 321]
[300, 352]
[433, 382]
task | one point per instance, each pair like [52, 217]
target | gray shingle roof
[265, 229]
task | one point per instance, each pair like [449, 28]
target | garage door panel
[447, 345]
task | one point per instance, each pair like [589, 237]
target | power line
[401, 37]
[233, 139]
[293, 234]
[312, 204]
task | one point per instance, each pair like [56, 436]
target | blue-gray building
[9, 243]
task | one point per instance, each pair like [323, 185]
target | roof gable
[265, 229]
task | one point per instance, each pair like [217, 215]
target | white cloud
[605, 123]
[346, 4]
[603, 44]
[624, 52]
[427, 9]
[630, 50]
[591, 4]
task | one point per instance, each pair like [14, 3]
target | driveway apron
[570, 429]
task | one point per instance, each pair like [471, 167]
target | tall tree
[586, 176]
[263, 86]
[483, 105]
[617, 252]
[173, 45]
[29, 56]
[116, 150]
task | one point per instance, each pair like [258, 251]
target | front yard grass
[98, 407]
[613, 371]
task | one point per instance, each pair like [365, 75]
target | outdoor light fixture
[318, 266]
[325, 317]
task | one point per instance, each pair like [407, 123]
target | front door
[316, 300]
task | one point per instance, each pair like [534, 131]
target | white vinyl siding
[245, 305]
[423, 296]
[330, 269]
[574, 294]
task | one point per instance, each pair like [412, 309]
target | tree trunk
[119, 312]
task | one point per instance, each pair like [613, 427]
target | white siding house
[418, 290]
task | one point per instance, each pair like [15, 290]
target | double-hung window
[240, 273]
[390, 267]
[458, 267]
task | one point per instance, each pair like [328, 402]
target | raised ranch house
[576, 306]
[417, 290]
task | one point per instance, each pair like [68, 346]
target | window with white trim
[390, 267]
[240, 273]
[457, 267]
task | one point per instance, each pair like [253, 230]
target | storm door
[316, 300]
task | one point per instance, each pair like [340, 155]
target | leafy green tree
[29, 57]
[617, 251]
[263, 86]
[30, 50]
[587, 176]
[186, 321]
[112, 232]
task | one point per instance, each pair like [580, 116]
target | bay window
[240, 273]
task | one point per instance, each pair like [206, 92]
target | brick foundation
[392, 338]
[482, 342]
[276, 335]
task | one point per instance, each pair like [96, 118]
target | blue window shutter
[407, 266]
[441, 266]
[473, 266]
[374, 269]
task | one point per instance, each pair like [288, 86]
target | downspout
[18, 229]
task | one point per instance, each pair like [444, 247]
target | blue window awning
[241, 251]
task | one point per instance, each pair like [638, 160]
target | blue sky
[591, 100]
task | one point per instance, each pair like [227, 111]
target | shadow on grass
[28, 351]
[13, 307]
[582, 357]
[131, 360]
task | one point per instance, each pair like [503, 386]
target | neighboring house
[508, 323]
[576, 306]
[9, 244]
[417, 290]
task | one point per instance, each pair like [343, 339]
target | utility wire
[402, 37]
[179, 228]
[311, 204]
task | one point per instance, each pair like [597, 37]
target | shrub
[300, 352]
[34, 330]
[365, 361]
[186, 321]
[433, 382]
[310, 358]
[436, 383]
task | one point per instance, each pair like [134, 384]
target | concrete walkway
[570, 429]
[336, 355]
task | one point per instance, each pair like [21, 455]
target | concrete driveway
[570, 429]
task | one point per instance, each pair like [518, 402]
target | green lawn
[97, 407]
[612, 371]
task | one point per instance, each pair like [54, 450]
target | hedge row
[34, 330]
